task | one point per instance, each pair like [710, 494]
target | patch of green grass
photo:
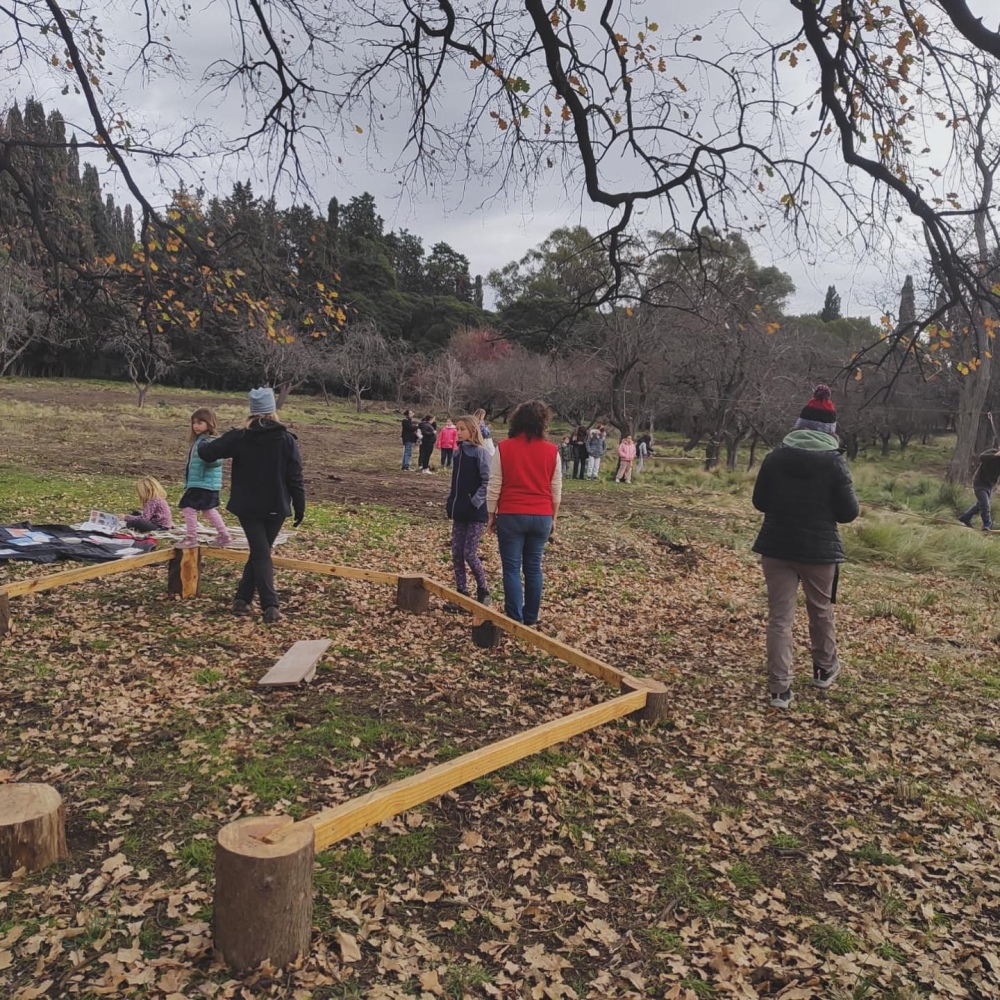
[198, 853]
[699, 987]
[833, 939]
[786, 841]
[663, 940]
[208, 676]
[874, 855]
[743, 876]
[461, 977]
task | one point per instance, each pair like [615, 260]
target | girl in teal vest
[202, 483]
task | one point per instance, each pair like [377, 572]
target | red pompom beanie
[818, 414]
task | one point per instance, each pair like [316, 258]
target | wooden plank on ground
[335, 824]
[298, 664]
[40, 583]
[606, 672]
[308, 566]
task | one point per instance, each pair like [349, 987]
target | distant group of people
[424, 433]
[580, 454]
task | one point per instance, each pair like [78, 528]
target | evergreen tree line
[78, 296]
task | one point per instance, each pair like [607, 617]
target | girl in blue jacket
[466, 506]
[202, 483]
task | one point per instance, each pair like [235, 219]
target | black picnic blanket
[47, 543]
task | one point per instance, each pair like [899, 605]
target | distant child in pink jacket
[447, 441]
[626, 452]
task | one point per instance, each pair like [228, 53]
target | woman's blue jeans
[521, 539]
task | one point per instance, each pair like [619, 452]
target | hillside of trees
[696, 338]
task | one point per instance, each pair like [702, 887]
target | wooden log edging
[560, 650]
[309, 566]
[342, 821]
[21, 587]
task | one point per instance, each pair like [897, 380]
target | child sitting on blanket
[155, 513]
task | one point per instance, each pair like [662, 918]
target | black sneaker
[483, 596]
[272, 615]
[968, 524]
[781, 700]
[824, 678]
[240, 607]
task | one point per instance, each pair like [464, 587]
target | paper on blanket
[100, 520]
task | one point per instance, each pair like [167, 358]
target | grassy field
[844, 849]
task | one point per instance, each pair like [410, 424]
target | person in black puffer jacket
[266, 487]
[804, 490]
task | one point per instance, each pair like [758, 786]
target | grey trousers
[782, 578]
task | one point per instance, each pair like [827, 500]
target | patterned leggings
[465, 537]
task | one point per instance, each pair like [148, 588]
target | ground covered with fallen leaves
[845, 848]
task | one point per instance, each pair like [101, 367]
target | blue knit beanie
[262, 401]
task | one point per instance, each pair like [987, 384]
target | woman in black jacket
[266, 487]
[804, 489]
[466, 506]
[428, 435]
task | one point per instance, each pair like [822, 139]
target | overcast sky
[490, 229]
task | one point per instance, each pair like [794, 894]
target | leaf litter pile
[846, 848]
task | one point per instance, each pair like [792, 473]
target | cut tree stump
[411, 595]
[298, 664]
[183, 572]
[32, 827]
[658, 699]
[263, 893]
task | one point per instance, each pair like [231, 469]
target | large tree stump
[183, 572]
[411, 595]
[32, 827]
[263, 892]
[658, 699]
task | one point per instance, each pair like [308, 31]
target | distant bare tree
[443, 382]
[146, 360]
[362, 359]
[284, 362]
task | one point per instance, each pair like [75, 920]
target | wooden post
[4, 613]
[485, 634]
[657, 697]
[182, 573]
[263, 893]
[411, 594]
[32, 827]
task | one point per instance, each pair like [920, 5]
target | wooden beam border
[333, 825]
[39, 583]
[308, 566]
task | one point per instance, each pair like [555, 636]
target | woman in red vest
[523, 498]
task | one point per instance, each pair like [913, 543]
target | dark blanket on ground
[60, 541]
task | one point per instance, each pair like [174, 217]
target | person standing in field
[485, 432]
[804, 490]
[266, 487]
[466, 506]
[596, 446]
[447, 442]
[566, 455]
[580, 452]
[409, 438]
[202, 484]
[427, 435]
[523, 497]
[643, 449]
[626, 456]
[984, 482]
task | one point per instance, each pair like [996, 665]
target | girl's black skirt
[199, 499]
